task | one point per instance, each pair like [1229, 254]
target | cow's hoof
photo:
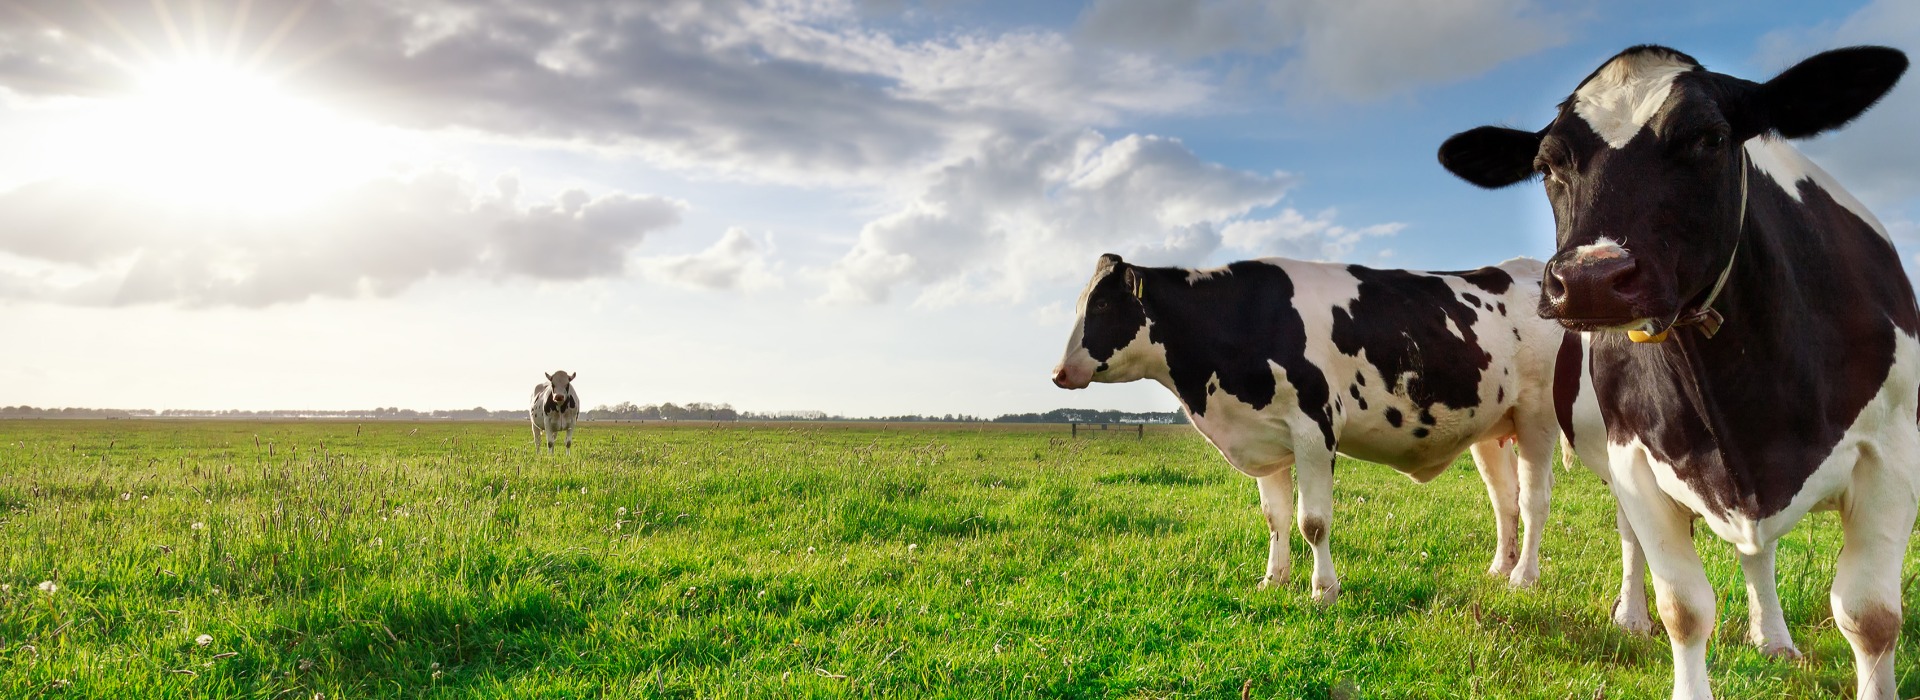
[1326, 596]
[1523, 577]
[1635, 622]
[1271, 582]
[1783, 651]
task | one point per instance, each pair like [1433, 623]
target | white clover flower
[583, 490]
[124, 496]
[49, 587]
[203, 640]
[622, 511]
[197, 525]
[911, 547]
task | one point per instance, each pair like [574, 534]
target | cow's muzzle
[1066, 377]
[1594, 293]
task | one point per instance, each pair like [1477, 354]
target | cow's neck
[1810, 313]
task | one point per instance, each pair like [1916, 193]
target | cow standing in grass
[1755, 345]
[555, 408]
[1281, 363]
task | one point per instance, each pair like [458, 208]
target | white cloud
[1021, 213]
[1352, 50]
[738, 261]
[1875, 155]
[98, 244]
[1295, 235]
[783, 91]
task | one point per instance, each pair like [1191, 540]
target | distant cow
[555, 408]
[1790, 384]
[1281, 363]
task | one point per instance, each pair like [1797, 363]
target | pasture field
[329, 559]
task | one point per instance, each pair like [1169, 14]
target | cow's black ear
[1491, 156]
[1828, 90]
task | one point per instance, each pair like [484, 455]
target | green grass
[448, 560]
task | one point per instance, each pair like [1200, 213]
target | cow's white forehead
[1628, 92]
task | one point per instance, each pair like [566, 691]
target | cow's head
[1645, 167]
[561, 382]
[1109, 341]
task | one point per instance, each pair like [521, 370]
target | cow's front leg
[536, 438]
[1630, 609]
[1766, 622]
[1680, 587]
[1536, 493]
[1315, 473]
[1276, 503]
[569, 439]
[1497, 471]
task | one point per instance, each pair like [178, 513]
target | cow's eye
[1712, 141]
[1099, 306]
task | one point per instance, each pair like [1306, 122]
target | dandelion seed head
[203, 640]
[199, 525]
[49, 587]
[911, 547]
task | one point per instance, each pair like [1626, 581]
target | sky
[863, 207]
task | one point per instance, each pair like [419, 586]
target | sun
[212, 134]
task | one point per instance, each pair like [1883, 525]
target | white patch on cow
[1602, 248]
[1788, 168]
[1626, 94]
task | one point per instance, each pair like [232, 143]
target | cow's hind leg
[1877, 517]
[1314, 469]
[1497, 470]
[1276, 504]
[1766, 622]
[1630, 609]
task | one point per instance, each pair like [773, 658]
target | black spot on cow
[1495, 280]
[1471, 299]
[1419, 432]
[1503, 308]
[1566, 381]
[1360, 378]
[1393, 416]
[1361, 402]
[1220, 332]
[1516, 334]
[1400, 319]
[1426, 417]
[1502, 396]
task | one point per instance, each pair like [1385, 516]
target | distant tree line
[625, 410]
[1087, 415]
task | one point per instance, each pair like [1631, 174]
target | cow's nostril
[1620, 278]
[1555, 287]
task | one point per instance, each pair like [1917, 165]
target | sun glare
[209, 134]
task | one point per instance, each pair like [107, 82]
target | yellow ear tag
[1139, 288]
[1639, 336]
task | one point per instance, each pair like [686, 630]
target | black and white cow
[556, 406]
[1790, 383]
[1281, 363]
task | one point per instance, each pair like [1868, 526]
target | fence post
[1140, 429]
[1076, 429]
